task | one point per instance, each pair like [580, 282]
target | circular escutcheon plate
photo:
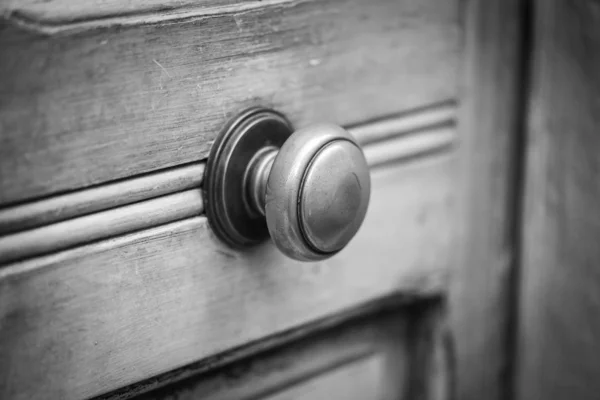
[225, 200]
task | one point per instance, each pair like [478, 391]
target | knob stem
[257, 176]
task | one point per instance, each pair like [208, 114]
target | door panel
[396, 352]
[125, 308]
[85, 102]
[111, 280]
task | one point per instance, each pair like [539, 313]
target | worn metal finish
[309, 192]
[317, 193]
[332, 199]
[227, 203]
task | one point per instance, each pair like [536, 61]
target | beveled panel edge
[288, 341]
[60, 222]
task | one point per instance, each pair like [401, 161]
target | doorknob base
[231, 216]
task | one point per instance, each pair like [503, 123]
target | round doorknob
[309, 189]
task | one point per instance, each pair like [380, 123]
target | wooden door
[112, 283]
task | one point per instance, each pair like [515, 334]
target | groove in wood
[387, 128]
[403, 137]
[86, 201]
[101, 225]
[410, 147]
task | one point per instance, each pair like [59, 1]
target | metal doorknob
[309, 189]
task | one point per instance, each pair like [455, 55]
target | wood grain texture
[377, 343]
[489, 122]
[559, 328]
[99, 198]
[109, 103]
[92, 319]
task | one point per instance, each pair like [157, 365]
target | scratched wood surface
[60, 14]
[559, 328]
[95, 318]
[100, 103]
